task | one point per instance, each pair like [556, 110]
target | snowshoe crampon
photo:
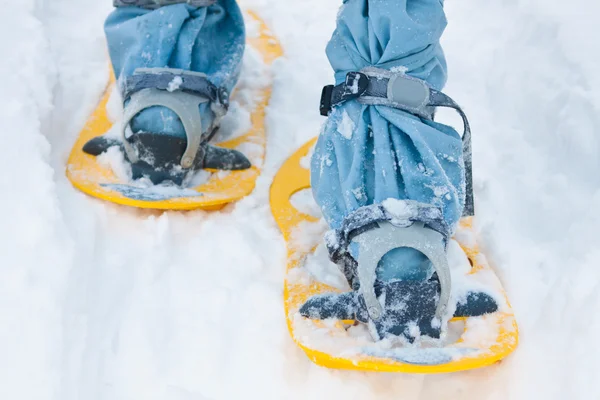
[480, 341]
[99, 180]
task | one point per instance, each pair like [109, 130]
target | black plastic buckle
[355, 86]
[326, 106]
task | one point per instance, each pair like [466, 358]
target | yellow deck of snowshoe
[89, 176]
[327, 343]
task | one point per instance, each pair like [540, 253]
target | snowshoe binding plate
[478, 342]
[99, 180]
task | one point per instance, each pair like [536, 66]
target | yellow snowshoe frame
[315, 337]
[89, 176]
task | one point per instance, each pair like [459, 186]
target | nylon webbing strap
[154, 4]
[173, 80]
[374, 86]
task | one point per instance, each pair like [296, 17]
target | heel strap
[380, 228]
[182, 92]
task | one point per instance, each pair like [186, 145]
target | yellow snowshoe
[100, 179]
[469, 342]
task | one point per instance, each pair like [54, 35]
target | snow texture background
[104, 302]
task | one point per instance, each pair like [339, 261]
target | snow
[115, 159]
[303, 201]
[401, 211]
[175, 84]
[106, 302]
[346, 126]
[323, 270]
[255, 76]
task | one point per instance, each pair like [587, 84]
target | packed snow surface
[102, 302]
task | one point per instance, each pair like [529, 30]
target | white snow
[255, 76]
[105, 302]
[401, 211]
[305, 161]
[401, 69]
[354, 88]
[346, 126]
[304, 202]
[114, 158]
[175, 84]
[114, 109]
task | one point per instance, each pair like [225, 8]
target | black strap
[171, 81]
[356, 85]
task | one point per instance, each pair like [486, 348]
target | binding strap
[375, 86]
[176, 80]
[380, 228]
[154, 4]
[182, 92]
